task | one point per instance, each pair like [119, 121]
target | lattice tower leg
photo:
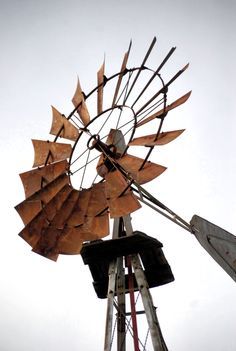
[155, 330]
[110, 297]
[116, 274]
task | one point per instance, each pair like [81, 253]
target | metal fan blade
[35, 179]
[30, 207]
[132, 165]
[79, 102]
[94, 228]
[173, 105]
[163, 89]
[47, 151]
[123, 205]
[115, 184]
[61, 217]
[155, 74]
[97, 201]
[62, 127]
[162, 139]
[91, 202]
[219, 243]
[70, 243]
[34, 229]
[121, 200]
[100, 79]
[122, 70]
[77, 216]
[47, 244]
[141, 67]
[98, 226]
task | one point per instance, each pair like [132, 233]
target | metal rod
[142, 66]
[163, 89]
[158, 203]
[155, 74]
[165, 215]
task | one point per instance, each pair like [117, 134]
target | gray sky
[50, 306]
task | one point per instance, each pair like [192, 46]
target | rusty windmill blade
[34, 229]
[153, 140]
[139, 171]
[49, 152]
[85, 222]
[161, 112]
[62, 127]
[79, 102]
[121, 200]
[155, 74]
[72, 238]
[47, 243]
[141, 67]
[30, 207]
[100, 81]
[163, 89]
[36, 179]
[91, 203]
[88, 221]
[122, 72]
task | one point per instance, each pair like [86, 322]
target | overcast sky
[47, 306]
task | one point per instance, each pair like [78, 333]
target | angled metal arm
[158, 206]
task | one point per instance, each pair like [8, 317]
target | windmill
[78, 187]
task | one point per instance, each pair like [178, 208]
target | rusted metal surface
[35, 179]
[95, 227]
[132, 165]
[162, 139]
[61, 217]
[34, 229]
[119, 206]
[30, 207]
[70, 243]
[100, 78]
[123, 205]
[47, 243]
[77, 216]
[49, 151]
[115, 184]
[78, 101]
[62, 127]
[122, 70]
[173, 105]
[97, 200]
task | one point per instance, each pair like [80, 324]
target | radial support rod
[155, 331]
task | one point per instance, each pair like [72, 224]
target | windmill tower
[86, 188]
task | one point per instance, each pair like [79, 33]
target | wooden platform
[99, 254]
